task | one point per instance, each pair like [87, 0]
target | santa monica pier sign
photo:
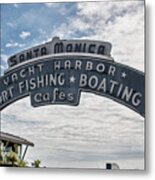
[56, 72]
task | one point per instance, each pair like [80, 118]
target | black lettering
[84, 47]
[91, 48]
[29, 55]
[77, 47]
[69, 48]
[58, 48]
[12, 61]
[43, 51]
[101, 49]
[36, 52]
[21, 58]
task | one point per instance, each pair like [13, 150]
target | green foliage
[21, 163]
[15, 148]
[12, 159]
[1, 157]
[36, 163]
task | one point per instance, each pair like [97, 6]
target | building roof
[14, 139]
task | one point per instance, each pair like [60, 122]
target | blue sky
[77, 137]
[26, 24]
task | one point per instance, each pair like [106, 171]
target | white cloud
[14, 44]
[59, 7]
[10, 24]
[51, 4]
[122, 24]
[3, 63]
[16, 5]
[3, 67]
[24, 34]
[4, 58]
[98, 127]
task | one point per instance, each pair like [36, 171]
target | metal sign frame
[129, 79]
